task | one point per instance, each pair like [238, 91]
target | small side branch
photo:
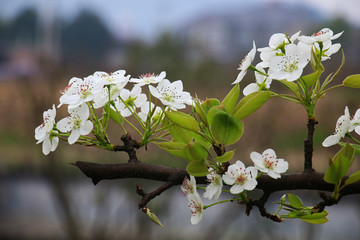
[147, 197]
[129, 147]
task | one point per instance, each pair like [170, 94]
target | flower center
[77, 122]
[168, 96]
[130, 101]
[290, 63]
[241, 179]
[320, 33]
[195, 207]
[85, 90]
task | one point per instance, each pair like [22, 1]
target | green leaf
[249, 104]
[311, 78]
[226, 157]
[290, 85]
[180, 134]
[296, 214]
[295, 201]
[200, 112]
[340, 164]
[209, 103]
[355, 146]
[224, 128]
[197, 168]
[174, 148]
[352, 81]
[195, 151]
[115, 116]
[315, 220]
[322, 214]
[231, 98]
[183, 120]
[353, 178]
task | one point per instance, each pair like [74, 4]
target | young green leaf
[352, 81]
[183, 120]
[226, 157]
[174, 148]
[311, 78]
[115, 116]
[197, 168]
[290, 85]
[353, 178]
[340, 164]
[249, 104]
[200, 112]
[180, 134]
[315, 220]
[195, 151]
[295, 201]
[209, 103]
[224, 128]
[355, 146]
[231, 98]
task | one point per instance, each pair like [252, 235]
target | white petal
[237, 188]
[274, 174]
[86, 129]
[256, 158]
[250, 184]
[331, 140]
[65, 124]
[54, 143]
[240, 76]
[74, 136]
[227, 179]
[252, 87]
[46, 147]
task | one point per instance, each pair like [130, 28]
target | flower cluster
[238, 176]
[286, 57]
[104, 90]
[344, 125]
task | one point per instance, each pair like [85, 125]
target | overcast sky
[145, 17]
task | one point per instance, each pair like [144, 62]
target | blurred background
[43, 43]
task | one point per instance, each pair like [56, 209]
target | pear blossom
[189, 186]
[45, 133]
[149, 78]
[130, 99]
[103, 96]
[245, 64]
[171, 94]
[240, 177]
[144, 112]
[324, 35]
[267, 162]
[342, 127]
[117, 77]
[77, 123]
[80, 91]
[355, 122]
[277, 42]
[289, 66]
[196, 208]
[262, 82]
[213, 190]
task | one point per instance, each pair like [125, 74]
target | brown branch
[291, 181]
[308, 145]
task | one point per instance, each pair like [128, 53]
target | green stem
[223, 201]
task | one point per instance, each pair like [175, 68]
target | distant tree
[86, 40]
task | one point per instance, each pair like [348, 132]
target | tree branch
[292, 181]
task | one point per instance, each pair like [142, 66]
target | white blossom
[144, 112]
[213, 190]
[196, 208]
[262, 82]
[355, 122]
[77, 123]
[149, 78]
[240, 177]
[267, 162]
[324, 35]
[342, 127]
[80, 91]
[171, 94]
[288, 66]
[130, 99]
[117, 77]
[189, 186]
[45, 133]
[245, 64]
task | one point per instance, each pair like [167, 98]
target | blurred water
[29, 210]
